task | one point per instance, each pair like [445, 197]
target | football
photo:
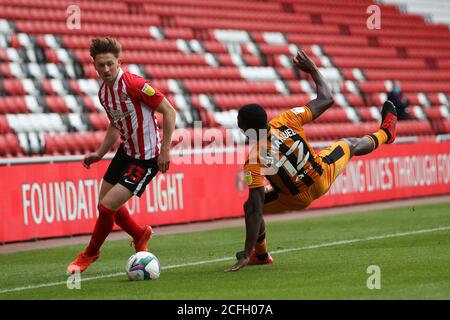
[143, 266]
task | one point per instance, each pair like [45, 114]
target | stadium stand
[210, 57]
[436, 11]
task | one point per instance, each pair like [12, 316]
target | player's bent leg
[116, 199]
[140, 235]
[359, 146]
[386, 134]
[107, 207]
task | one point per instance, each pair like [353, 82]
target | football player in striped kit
[130, 103]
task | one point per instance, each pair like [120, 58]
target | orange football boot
[254, 260]
[81, 263]
[141, 244]
[389, 120]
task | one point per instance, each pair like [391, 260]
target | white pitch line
[190, 264]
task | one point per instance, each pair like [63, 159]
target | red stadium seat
[56, 104]
[14, 104]
[13, 87]
[414, 127]
[99, 121]
[13, 147]
[366, 114]
[435, 113]
[4, 126]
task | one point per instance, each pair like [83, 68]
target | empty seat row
[321, 132]
[211, 24]
[74, 143]
[224, 5]
[406, 86]
[128, 43]
[226, 102]
[92, 29]
[226, 86]
[36, 122]
[388, 22]
[49, 14]
[332, 115]
[64, 4]
[223, 13]
[407, 75]
[405, 34]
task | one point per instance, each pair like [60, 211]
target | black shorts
[133, 174]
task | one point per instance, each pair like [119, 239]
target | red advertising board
[395, 171]
[59, 199]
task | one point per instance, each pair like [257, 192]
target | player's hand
[164, 160]
[238, 265]
[90, 159]
[304, 63]
[242, 262]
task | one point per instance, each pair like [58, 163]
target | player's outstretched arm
[253, 218]
[324, 98]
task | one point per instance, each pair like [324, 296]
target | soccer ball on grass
[143, 265]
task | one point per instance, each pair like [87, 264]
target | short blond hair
[105, 45]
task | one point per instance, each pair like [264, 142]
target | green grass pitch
[315, 258]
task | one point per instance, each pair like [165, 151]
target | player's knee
[116, 197]
[108, 205]
[110, 202]
[352, 143]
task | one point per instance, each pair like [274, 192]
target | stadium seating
[436, 10]
[210, 57]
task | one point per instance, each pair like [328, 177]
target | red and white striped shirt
[130, 107]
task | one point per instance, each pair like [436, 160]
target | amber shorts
[334, 159]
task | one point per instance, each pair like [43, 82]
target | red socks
[103, 227]
[127, 224]
[105, 224]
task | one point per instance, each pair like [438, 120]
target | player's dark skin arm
[324, 98]
[253, 219]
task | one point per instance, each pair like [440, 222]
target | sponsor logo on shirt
[118, 115]
[298, 110]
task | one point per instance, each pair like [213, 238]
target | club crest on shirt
[123, 97]
[148, 90]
